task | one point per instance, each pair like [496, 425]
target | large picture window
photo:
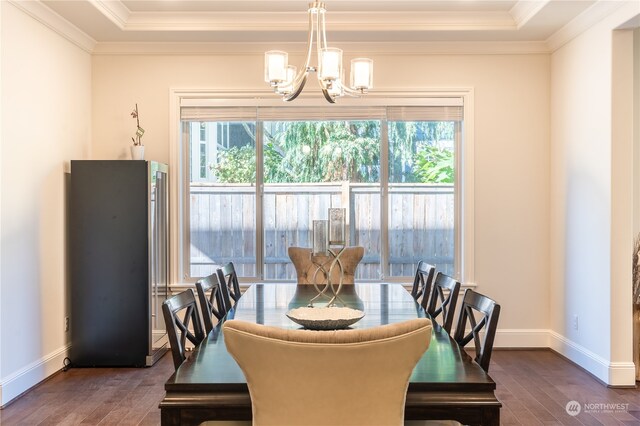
[258, 177]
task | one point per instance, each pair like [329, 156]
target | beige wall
[511, 149]
[46, 104]
[591, 194]
[636, 130]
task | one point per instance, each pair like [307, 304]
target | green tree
[435, 165]
[406, 140]
[334, 151]
[236, 165]
[322, 151]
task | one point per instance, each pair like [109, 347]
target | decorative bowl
[324, 318]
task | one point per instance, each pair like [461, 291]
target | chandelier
[288, 82]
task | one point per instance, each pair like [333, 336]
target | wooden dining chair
[181, 312]
[337, 377]
[443, 300]
[422, 281]
[488, 311]
[227, 277]
[212, 300]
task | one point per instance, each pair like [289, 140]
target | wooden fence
[223, 224]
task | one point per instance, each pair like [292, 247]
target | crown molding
[409, 48]
[114, 10]
[583, 22]
[295, 21]
[523, 11]
[55, 22]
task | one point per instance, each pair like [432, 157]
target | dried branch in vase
[137, 140]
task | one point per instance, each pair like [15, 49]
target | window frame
[178, 166]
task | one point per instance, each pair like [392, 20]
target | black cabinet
[118, 254]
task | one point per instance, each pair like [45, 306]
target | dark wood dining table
[445, 384]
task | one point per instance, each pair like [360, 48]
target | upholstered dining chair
[212, 300]
[340, 377]
[307, 265]
[443, 300]
[228, 277]
[422, 281]
[181, 312]
[488, 312]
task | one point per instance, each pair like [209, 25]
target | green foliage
[434, 165]
[327, 151]
[312, 151]
[402, 145]
[405, 141]
[334, 151]
[237, 165]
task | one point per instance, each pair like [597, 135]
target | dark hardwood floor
[534, 387]
[91, 396]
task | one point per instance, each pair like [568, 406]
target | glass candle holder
[337, 220]
[320, 238]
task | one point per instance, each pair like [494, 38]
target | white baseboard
[24, 379]
[611, 373]
[521, 338]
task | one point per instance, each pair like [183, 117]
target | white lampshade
[330, 63]
[291, 74]
[361, 74]
[337, 89]
[286, 87]
[275, 66]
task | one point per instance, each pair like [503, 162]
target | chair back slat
[443, 300]
[178, 325]
[212, 300]
[422, 282]
[228, 278]
[489, 311]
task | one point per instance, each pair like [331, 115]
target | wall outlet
[575, 322]
[66, 324]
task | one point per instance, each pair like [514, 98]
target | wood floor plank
[507, 418]
[546, 394]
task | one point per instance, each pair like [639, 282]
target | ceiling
[246, 21]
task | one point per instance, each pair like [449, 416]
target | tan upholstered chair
[306, 266]
[342, 377]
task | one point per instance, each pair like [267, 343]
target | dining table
[446, 384]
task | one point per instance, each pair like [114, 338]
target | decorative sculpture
[329, 239]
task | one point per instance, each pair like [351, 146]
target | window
[422, 203]
[309, 166]
[272, 170]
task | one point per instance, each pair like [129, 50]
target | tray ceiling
[248, 21]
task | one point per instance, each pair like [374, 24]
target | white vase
[137, 152]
